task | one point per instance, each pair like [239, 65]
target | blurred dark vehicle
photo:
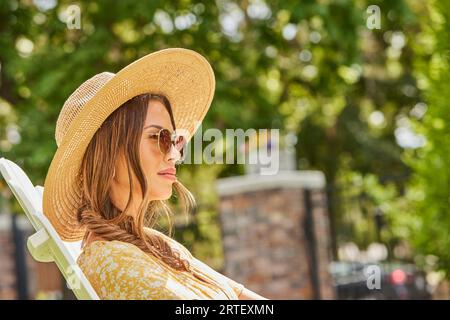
[397, 281]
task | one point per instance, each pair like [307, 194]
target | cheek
[150, 158]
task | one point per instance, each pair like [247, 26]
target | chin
[162, 196]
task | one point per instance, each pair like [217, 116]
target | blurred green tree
[428, 216]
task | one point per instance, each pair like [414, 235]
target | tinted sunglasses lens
[164, 141]
[180, 142]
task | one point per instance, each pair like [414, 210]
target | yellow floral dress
[120, 270]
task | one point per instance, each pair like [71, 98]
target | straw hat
[183, 76]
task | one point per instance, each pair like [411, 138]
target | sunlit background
[358, 89]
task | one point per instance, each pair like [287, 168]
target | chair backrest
[46, 245]
[73, 247]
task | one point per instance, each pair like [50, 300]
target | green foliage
[430, 186]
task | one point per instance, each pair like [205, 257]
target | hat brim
[184, 76]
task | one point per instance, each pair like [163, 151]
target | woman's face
[152, 162]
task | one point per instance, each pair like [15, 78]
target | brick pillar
[265, 243]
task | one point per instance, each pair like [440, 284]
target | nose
[173, 155]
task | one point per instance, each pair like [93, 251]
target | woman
[115, 168]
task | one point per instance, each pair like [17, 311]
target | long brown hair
[121, 133]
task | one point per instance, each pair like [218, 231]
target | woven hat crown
[77, 100]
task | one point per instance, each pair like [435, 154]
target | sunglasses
[166, 139]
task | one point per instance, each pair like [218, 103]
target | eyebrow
[156, 126]
[153, 125]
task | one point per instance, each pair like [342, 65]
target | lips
[169, 173]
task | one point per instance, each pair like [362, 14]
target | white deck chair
[46, 245]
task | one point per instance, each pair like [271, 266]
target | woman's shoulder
[125, 252]
[108, 247]
[120, 270]
[114, 251]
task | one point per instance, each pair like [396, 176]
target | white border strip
[306, 179]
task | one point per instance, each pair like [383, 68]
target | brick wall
[266, 246]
